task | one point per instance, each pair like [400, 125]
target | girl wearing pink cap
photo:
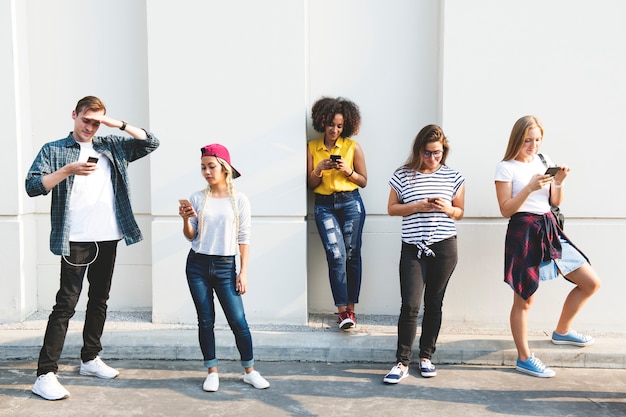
[217, 222]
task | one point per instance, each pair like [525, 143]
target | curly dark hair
[324, 110]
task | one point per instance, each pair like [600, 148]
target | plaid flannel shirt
[530, 240]
[120, 151]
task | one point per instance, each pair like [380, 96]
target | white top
[92, 202]
[218, 236]
[426, 228]
[519, 174]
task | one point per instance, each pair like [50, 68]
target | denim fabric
[428, 275]
[570, 260]
[340, 218]
[207, 274]
[99, 275]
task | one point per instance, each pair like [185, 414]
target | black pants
[429, 276]
[99, 275]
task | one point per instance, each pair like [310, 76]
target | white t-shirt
[218, 236]
[92, 202]
[519, 174]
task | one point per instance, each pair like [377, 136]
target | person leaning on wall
[335, 172]
[536, 248]
[90, 213]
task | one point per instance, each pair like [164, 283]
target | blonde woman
[536, 248]
[217, 222]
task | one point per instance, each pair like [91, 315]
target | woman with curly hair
[335, 171]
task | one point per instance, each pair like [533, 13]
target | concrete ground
[174, 388]
[315, 370]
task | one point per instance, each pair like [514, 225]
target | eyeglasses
[436, 154]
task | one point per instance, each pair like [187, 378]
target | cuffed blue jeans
[428, 275]
[207, 274]
[340, 218]
[99, 275]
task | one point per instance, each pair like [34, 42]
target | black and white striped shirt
[424, 229]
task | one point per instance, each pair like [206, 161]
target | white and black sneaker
[396, 374]
[427, 369]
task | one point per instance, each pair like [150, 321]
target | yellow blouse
[333, 180]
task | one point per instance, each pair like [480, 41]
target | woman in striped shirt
[429, 196]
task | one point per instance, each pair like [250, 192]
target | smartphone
[92, 159]
[184, 202]
[552, 171]
[335, 158]
[432, 200]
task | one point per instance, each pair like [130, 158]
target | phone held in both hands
[335, 158]
[552, 171]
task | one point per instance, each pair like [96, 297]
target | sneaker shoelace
[536, 363]
[578, 336]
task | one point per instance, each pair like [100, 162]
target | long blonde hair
[231, 194]
[518, 134]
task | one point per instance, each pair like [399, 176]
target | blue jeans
[340, 218]
[427, 276]
[206, 274]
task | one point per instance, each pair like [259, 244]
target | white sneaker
[256, 380]
[211, 383]
[48, 386]
[396, 374]
[98, 368]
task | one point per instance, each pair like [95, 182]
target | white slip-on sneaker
[256, 380]
[98, 368]
[396, 374]
[47, 386]
[212, 382]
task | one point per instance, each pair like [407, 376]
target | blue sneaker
[572, 338]
[396, 374]
[533, 366]
[427, 369]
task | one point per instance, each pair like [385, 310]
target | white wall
[564, 62]
[233, 73]
[384, 56]
[79, 48]
[245, 73]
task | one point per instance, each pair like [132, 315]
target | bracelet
[318, 176]
[555, 185]
[123, 127]
[348, 176]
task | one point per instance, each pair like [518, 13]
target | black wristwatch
[123, 127]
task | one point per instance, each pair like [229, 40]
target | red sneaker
[345, 319]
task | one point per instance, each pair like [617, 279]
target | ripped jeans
[340, 218]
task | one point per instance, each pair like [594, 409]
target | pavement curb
[319, 346]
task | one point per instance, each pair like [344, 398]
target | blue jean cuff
[210, 363]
